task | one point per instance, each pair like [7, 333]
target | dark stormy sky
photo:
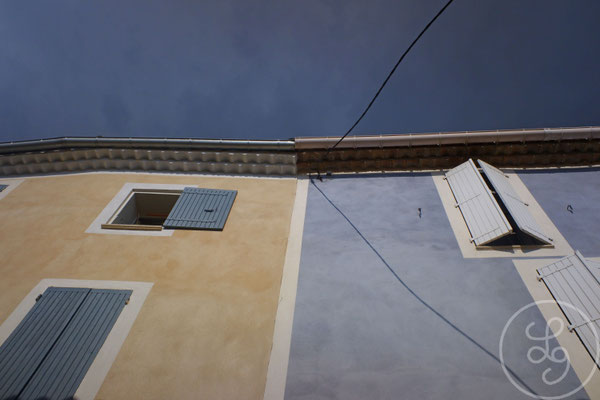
[280, 69]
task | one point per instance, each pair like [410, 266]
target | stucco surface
[432, 331]
[580, 188]
[205, 330]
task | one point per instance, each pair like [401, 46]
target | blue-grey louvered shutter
[26, 347]
[2, 187]
[60, 337]
[201, 209]
[63, 369]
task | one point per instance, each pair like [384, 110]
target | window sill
[131, 227]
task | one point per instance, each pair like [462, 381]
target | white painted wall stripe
[282, 335]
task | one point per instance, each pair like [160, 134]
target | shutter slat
[191, 209]
[32, 340]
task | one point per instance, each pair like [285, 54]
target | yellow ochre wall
[206, 328]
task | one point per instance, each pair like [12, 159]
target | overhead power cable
[389, 76]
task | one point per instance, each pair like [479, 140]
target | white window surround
[119, 199]
[108, 352]
[561, 246]
[11, 183]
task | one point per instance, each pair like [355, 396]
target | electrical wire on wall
[440, 12]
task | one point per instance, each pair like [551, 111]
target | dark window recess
[517, 237]
[2, 187]
[146, 209]
[50, 351]
[201, 209]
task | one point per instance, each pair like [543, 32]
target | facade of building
[143, 268]
[207, 304]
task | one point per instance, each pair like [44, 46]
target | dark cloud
[278, 69]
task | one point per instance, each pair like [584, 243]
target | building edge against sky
[349, 286]
[549, 147]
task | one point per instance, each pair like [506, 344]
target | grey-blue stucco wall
[556, 189]
[388, 308]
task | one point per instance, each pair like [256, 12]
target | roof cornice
[448, 138]
[546, 147]
[62, 143]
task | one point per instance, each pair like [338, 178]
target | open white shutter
[518, 209]
[479, 208]
[573, 280]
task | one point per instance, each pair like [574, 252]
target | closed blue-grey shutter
[60, 338]
[2, 187]
[26, 347]
[61, 372]
[201, 209]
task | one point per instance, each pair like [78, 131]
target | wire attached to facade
[388, 77]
